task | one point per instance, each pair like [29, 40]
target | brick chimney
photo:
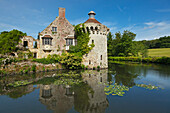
[61, 12]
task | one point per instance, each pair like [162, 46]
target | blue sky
[149, 19]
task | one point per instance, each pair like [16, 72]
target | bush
[98, 67]
[43, 69]
[49, 60]
[86, 67]
[71, 60]
[34, 68]
[83, 66]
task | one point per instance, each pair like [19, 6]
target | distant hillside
[162, 42]
[159, 52]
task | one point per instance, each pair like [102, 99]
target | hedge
[160, 60]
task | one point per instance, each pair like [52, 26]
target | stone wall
[64, 28]
[98, 55]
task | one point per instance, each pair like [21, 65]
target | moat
[148, 91]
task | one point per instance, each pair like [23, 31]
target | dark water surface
[47, 94]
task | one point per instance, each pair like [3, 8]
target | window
[91, 28]
[101, 57]
[89, 61]
[25, 43]
[54, 29]
[47, 41]
[92, 41]
[69, 42]
[46, 93]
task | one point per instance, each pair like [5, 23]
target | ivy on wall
[83, 47]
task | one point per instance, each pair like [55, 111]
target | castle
[59, 35]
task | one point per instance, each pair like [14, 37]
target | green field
[159, 52]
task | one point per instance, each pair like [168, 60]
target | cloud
[163, 10]
[7, 27]
[78, 21]
[154, 24]
[120, 9]
[110, 25]
[152, 30]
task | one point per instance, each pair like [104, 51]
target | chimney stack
[61, 12]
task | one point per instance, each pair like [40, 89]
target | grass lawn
[159, 52]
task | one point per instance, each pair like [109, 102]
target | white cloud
[7, 27]
[163, 10]
[145, 31]
[78, 21]
[152, 30]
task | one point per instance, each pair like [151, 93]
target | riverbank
[13, 66]
[28, 66]
[159, 60]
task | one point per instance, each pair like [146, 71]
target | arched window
[96, 28]
[87, 29]
[91, 28]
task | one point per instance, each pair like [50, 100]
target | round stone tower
[98, 33]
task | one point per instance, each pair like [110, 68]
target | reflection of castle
[97, 98]
[56, 98]
[61, 99]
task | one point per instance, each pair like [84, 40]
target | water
[88, 96]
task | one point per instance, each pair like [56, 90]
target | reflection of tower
[97, 98]
[56, 98]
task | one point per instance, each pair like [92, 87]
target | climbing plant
[83, 47]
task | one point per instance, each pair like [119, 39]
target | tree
[123, 43]
[109, 44]
[10, 40]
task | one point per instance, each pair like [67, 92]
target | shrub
[86, 67]
[83, 66]
[34, 68]
[98, 67]
[71, 60]
[94, 68]
[44, 69]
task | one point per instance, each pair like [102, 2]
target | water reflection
[56, 98]
[88, 96]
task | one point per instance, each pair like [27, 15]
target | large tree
[9, 41]
[123, 45]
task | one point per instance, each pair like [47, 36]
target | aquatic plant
[19, 83]
[115, 89]
[150, 87]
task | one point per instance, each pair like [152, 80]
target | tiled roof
[47, 36]
[92, 20]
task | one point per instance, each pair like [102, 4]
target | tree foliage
[71, 60]
[9, 41]
[123, 45]
[162, 42]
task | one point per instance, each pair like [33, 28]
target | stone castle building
[59, 35]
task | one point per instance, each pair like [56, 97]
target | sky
[149, 19]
